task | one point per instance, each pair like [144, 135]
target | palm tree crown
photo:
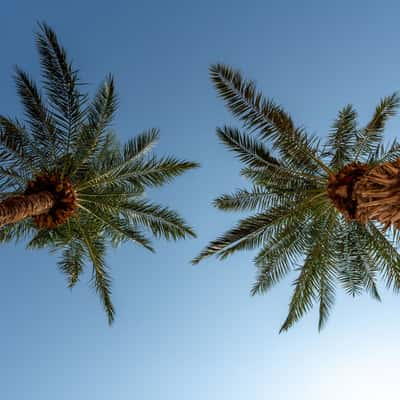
[94, 186]
[307, 202]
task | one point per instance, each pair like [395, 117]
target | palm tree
[317, 206]
[65, 181]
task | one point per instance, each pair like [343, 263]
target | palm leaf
[316, 278]
[267, 117]
[372, 135]
[341, 139]
[61, 82]
[250, 232]
[41, 123]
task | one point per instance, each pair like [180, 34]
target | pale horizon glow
[368, 377]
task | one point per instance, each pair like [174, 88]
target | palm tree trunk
[17, 208]
[378, 195]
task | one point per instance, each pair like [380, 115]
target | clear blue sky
[185, 332]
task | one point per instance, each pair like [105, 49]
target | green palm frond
[115, 227]
[92, 133]
[372, 135]
[357, 272]
[134, 168]
[16, 232]
[244, 200]
[280, 252]
[61, 82]
[41, 123]
[316, 278]
[282, 184]
[248, 150]
[138, 147]
[384, 154]
[384, 254]
[159, 171]
[95, 247]
[160, 220]
[72, 261]
[268, 118]
[250, 232]
[44, 238]
[342, 137]
[11, 180]
[16, 147]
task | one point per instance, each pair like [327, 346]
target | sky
[185, 332]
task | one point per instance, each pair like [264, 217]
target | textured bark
[368, 194]
[65, 202]
[341, 188]
[378, 195]
[17, 208]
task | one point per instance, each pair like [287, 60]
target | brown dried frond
[378, 195]
[341, 188]
[65, 199]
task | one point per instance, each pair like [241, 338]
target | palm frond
[356, 271]
[280, 252]
[265, 116]
[41, 123]
[341, 138]
[95, 248]
[115, 227]
[326, 296]
[372, 135]
[244, 200]
[161, 221]
[140, 146]
[61, 82]
[99, 116]
[384, 255]
[11, 180]
[281, 180]
[249, 151]
[151, 172]
[16, 232]
[16, 147]
[72, 262]
[250, 232]
[385, 153]
[316, 278]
